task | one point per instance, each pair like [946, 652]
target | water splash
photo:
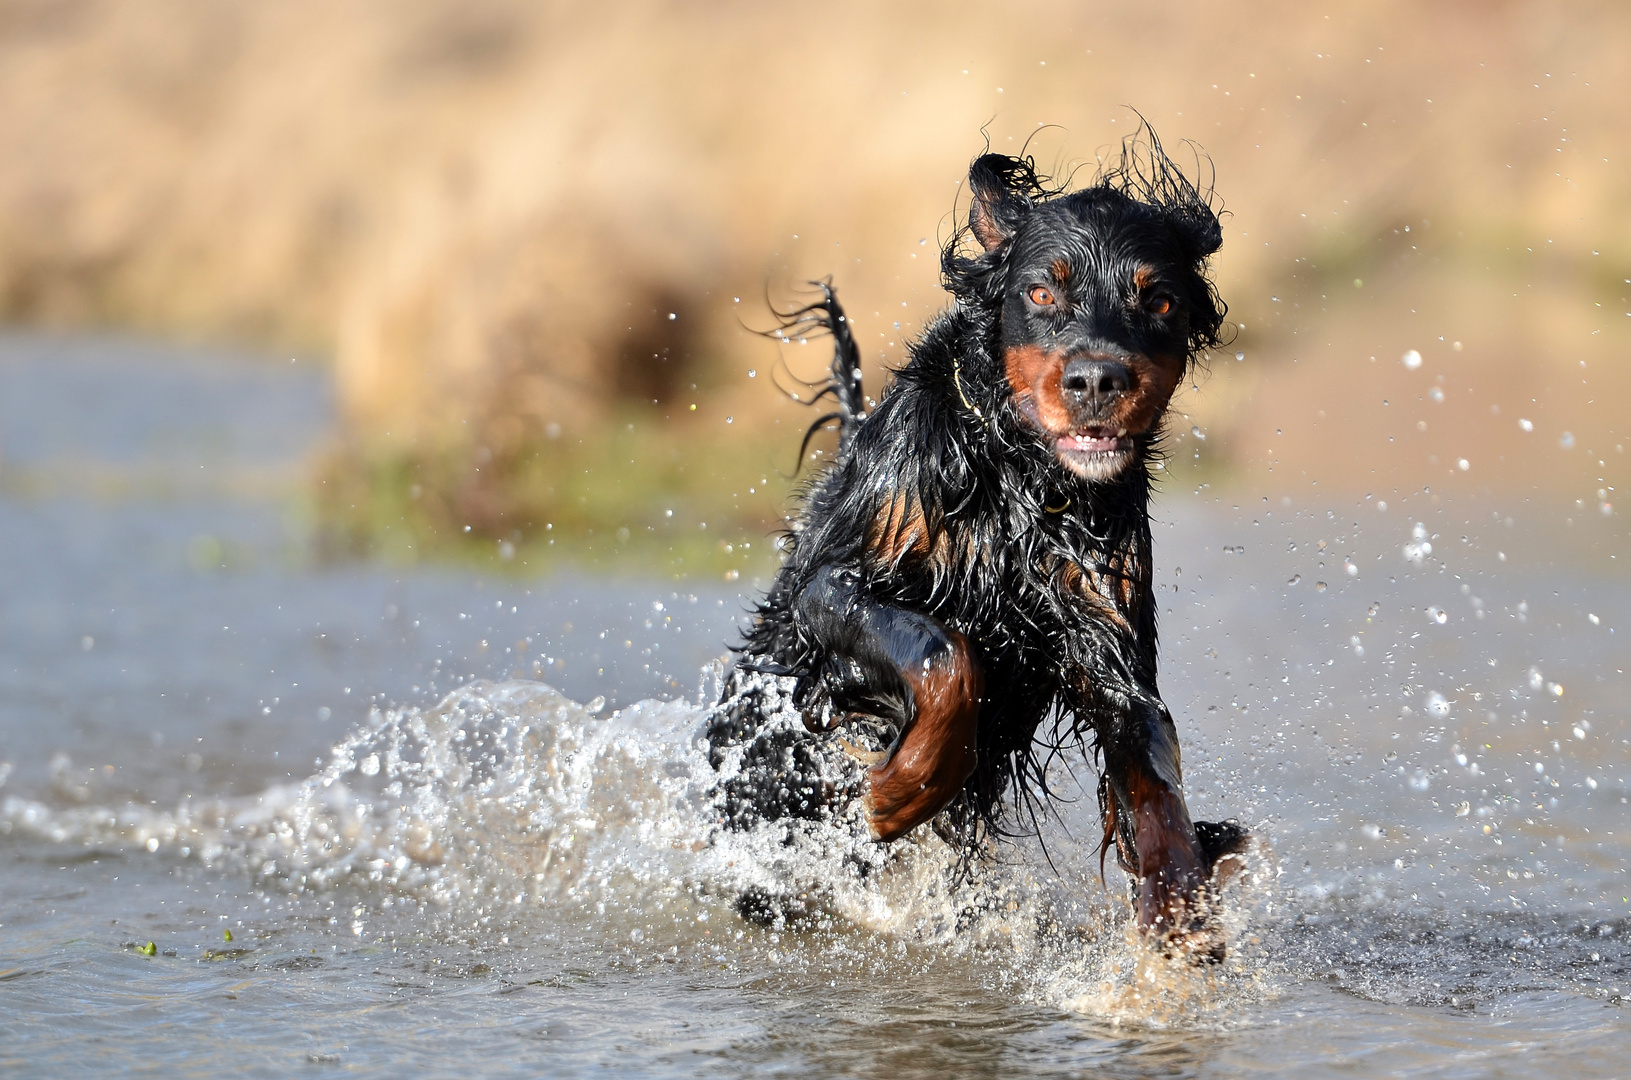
[507, 801]
[504, 791]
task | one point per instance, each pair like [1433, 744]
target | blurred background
[530, 239]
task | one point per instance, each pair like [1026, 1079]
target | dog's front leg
[1142, 765]
[908, 668]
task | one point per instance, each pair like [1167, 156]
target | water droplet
[1567, 441]
[1526, 425]
[1438, 615]
[1294, 579]
[1437, 704]
[1411, 359]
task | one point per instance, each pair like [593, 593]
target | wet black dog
[967, 589]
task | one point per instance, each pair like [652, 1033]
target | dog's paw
[1223, 844]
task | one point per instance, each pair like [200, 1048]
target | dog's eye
[1041, 295]
[1159, 304]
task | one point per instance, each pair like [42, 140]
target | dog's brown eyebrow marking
[1061, 271]
[1143, 277]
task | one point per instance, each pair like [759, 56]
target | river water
[261, 815]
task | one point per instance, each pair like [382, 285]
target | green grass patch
[636, 495]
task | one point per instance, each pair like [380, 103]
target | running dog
[967, 585]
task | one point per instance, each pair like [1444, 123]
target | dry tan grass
[487, 209]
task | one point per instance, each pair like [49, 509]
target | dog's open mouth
[1095, 440]
[1095, 453]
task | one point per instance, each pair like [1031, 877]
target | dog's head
[1103, 298]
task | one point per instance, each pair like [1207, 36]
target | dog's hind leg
[769, 771]
[910, 670]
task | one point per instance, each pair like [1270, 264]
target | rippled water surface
[261, 816]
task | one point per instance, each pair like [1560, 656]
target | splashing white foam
[505, 798]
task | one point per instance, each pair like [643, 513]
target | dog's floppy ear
[998, 207]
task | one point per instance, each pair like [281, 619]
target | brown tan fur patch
[940, 749]
[1164, 836]
[1089, 585]
[898, 531]
[901, 534]
[1035, 376]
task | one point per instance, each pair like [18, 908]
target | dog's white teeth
[1121, 433]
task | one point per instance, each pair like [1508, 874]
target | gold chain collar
[957, 378]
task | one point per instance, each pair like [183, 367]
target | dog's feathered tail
[843, 383]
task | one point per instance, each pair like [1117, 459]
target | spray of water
[508, 802]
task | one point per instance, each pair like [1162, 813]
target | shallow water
[432, 848]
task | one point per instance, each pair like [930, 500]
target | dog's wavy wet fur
[967, 587]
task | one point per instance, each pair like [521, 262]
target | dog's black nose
[1095, 383]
